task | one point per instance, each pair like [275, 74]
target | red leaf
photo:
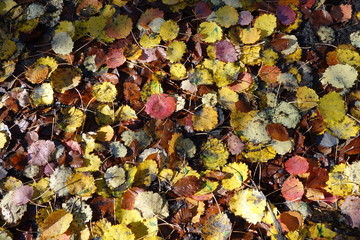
[285, 14]
[160, 106]
[244, 82]
[225, 51]
[297, 165]
[23, 194]
[292, 189]
[202, 10]
[115, 58]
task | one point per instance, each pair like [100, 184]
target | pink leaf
[351, 208]
[225, 51]
[285, 14]
[202, 10]
[23, 194]
[297, 165]
[234, 144]
[160, 106]
[292, 189]
[115, 58]
[244, 82]
[245, 18]
[39, 152]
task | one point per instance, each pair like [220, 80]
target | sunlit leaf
[306, 98]
[249, 204]
[266, 23]
[150, 40]
[151, 204]
[42, 95]
[81, 184]
[210, 32]
[250, 35]
[118, 231]
[178, 71]
[340, 76]
[236, 174]
[205, 119]
[332, 107]
[56, 223]
[160, 106]
[297, 165]
[338, 183]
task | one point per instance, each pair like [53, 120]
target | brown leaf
[290, 220]
[341, 13]
[186, 186]
[102, 207]
[277, 131]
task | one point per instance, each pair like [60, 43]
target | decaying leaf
[217, 227]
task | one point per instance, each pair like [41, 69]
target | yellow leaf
[332, 107]
[227, 98]
[104, 92]
[150, 88]
[200, 76]
[104, 115]
[227, 16]
[169, 30]
[250, 55]
[42, 95]
[266, 23]
[100, 227]
[259, 153]
[119, 231]
[28, 25]
[151, 204]
[48, 61]
[225, 73]
[178, 71]
[146, 173]
[7, 48]
[354, 178]
[269, 57]
[205, 119]
[239, 120]
[210, 32]
[66, 26]
[119, 27]
[236, 174]
[306, 98]
[81, 184]
[184, 171]
[91, 163]
[56, 223]
[207, 187]
[348, 56]
[250, 35]
[344, 129]
[321, 231]
[214, 154]
[95, 27]
[338, 183]
[249, 204]
[175, 51]
[145, 228]
[105, 133]
[295, 56]
[217, 227]
[125, 216]
[42, 193]
[150, 40]
[125, 113]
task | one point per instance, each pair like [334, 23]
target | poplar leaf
[56, 223]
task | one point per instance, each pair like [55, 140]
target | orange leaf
[292, 189]
[290, 220]
[277, 131]
[56, 223]
[297, 165]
